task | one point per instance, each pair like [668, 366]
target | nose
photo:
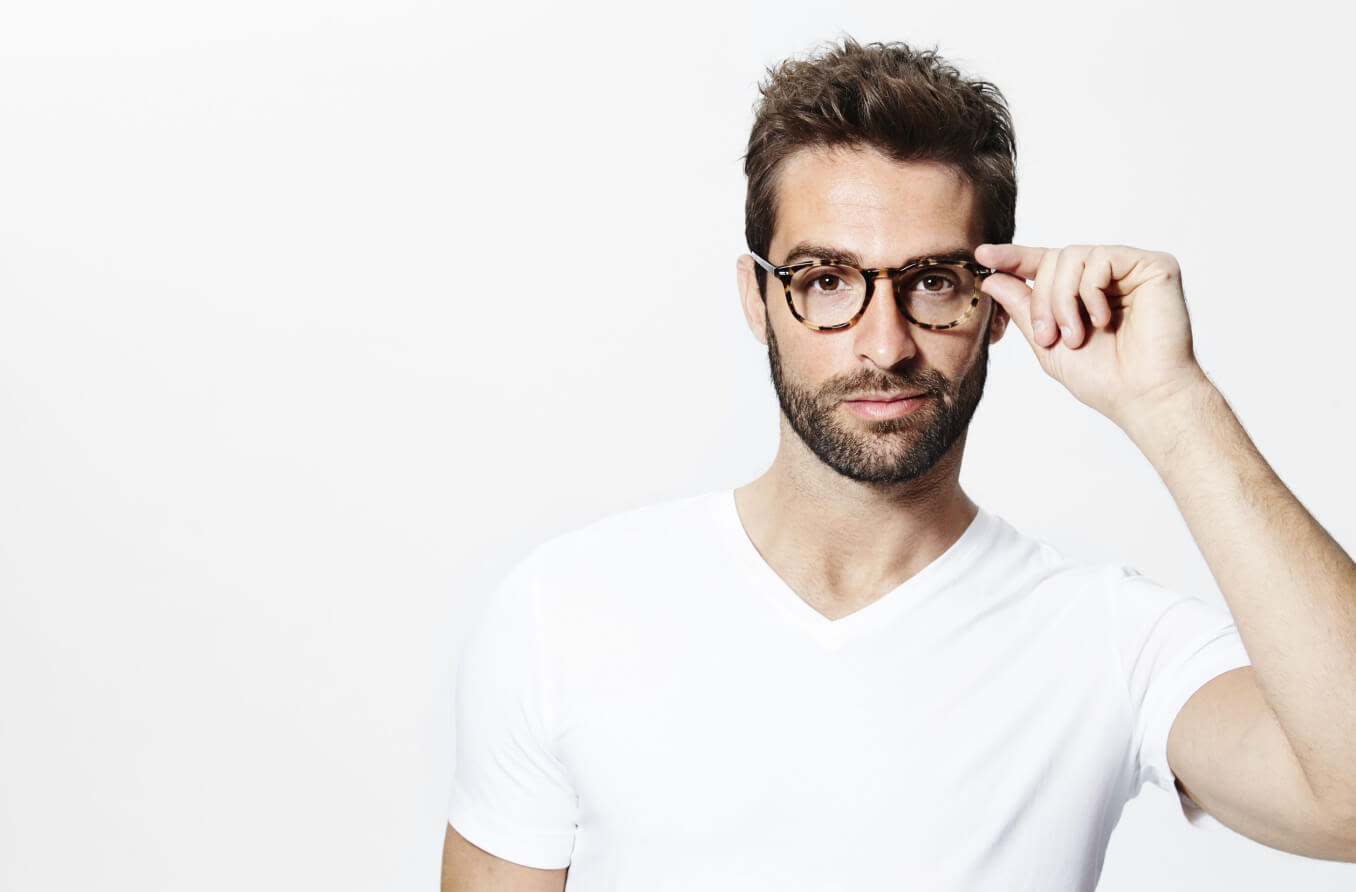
[883, 336]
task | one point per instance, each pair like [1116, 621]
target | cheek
[957, 358]
[969, 360]
[812, 359]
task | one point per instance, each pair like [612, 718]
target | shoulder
[1035, 564]
[1049, 582]
[620, 552]
[1136, 610]
[631, 534]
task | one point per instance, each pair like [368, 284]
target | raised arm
[1269, 750]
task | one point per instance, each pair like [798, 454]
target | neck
[839, 543]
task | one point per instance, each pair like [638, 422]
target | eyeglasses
[830, 295]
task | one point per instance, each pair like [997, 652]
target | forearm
[1290, 586]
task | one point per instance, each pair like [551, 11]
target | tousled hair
[911, 105]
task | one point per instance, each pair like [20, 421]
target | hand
[1108, 322]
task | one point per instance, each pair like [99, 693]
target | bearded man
[846, 674]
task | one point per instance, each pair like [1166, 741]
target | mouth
[881, 406]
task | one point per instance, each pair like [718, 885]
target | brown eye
[936, 283]
[828, 282]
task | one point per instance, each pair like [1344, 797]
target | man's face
[883, 401]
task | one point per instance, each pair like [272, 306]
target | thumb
[1014, 296]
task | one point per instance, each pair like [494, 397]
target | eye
[936, 283]
[825, 282]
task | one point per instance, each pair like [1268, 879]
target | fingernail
[1067, 332]
[1041, 329]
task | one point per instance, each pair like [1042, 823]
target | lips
[882, 397]
[883, 406]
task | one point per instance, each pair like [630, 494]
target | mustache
[929, 381]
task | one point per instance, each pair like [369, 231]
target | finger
[1064, 295]
[1013, 295]
[1019, 260]
[1092, 287]
[1043, 330]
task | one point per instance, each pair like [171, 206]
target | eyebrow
[808, 251]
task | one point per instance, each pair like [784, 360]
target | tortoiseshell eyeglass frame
[785, 273]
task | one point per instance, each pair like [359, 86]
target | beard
[893, 450]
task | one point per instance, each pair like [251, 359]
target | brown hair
[909, 104]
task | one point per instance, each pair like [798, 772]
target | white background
[314, 317]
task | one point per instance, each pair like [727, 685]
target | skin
[839, 543]
[467, 868]
[1269, 750]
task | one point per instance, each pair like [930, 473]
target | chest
[933, 747]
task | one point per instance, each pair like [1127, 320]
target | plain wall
[315, 317]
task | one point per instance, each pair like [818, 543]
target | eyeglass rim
[870, 274]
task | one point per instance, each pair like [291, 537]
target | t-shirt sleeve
[1170, 645]
[511, 795]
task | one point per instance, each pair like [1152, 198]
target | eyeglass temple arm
[763, 263]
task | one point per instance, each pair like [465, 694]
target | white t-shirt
[646, 701]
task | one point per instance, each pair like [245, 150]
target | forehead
[882, 209]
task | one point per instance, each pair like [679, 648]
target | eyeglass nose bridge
[871, 275]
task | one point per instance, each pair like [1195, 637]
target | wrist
[1158, 421]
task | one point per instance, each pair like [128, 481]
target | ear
[755, 311]
[998, 323]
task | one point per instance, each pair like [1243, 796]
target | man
[845, 675]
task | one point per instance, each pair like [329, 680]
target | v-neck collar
[832, 633]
